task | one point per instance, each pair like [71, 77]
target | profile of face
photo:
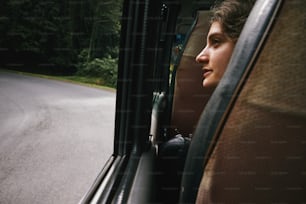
[215, 57]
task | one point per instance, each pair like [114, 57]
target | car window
[58, 96]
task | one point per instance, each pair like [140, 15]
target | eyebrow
[220, 34]
[214, 34]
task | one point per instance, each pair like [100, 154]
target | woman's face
[215, 56]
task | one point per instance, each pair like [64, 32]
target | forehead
[215, 28]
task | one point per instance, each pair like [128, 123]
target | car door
[133, 105]
[143, 38]
[150, 30]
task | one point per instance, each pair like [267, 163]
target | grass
[86, 81]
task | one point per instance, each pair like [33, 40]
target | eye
[216, 42]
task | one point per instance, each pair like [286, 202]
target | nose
[203, 56]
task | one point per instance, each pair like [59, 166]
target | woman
[228, 18]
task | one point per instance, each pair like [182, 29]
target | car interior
[242, 143]
[188, 100]
[256, 151]
[189, 97]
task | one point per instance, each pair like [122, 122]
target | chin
[209, 85]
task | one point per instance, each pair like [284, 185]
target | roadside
[85, 81]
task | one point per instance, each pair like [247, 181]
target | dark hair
[232, 15]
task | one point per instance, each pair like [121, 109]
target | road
[55, 138]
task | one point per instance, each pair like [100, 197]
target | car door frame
[139, 57]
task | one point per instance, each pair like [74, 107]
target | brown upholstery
[260, 156]
[189, 95]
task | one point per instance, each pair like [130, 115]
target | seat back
[189, 97]
[260, 154]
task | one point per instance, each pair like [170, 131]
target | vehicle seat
[189, 97]
[260, 155]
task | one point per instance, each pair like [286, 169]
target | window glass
[58, 73]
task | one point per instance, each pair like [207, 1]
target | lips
[207, 72]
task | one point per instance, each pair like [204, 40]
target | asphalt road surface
[55, 138]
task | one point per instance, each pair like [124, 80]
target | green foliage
[104, 69]
[33, 26]
[36, 33]
[61, 36]
[106, 29]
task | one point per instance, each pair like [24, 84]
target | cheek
[223, 59]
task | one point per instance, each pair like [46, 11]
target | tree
[106, 28]
[35, 31]
[48, 36]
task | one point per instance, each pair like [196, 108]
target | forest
[61, 37]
